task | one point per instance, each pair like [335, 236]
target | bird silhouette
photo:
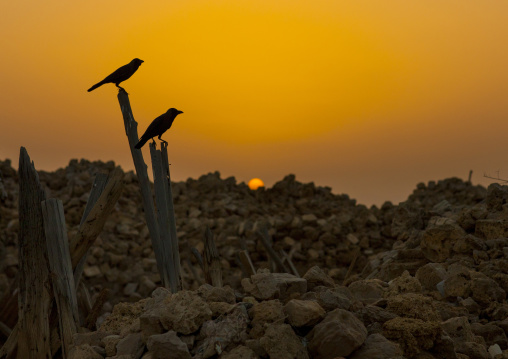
[120, 75]
[158, 126]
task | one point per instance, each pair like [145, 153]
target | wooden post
[211, 261]
[97, 188]
[131, 129]
[265, 239]
[95, 220]
[159, 187]
[290, 263]
[34, 299]
[61, 270]
[175, 248]
[246, 262]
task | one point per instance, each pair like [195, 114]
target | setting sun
[255, 183]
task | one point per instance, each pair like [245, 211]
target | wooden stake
[131, 129]
[160, 189]
[34, 299]
[265, 239]
[171, 213]
[211, 261]
[98, 186]
[95, 220]
[61, 270]
[246, 262]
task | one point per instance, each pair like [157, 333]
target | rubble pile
[429, 276]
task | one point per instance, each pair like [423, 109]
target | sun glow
[255, 183]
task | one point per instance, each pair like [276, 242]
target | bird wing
[118, 74]
[153, 129]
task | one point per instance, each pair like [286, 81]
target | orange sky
[368, 97]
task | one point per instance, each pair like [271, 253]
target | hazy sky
[367, 97]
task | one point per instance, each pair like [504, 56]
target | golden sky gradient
[368, 97]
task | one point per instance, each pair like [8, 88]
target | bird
[158, 126]
[121, 74]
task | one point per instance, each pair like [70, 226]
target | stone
[167, 345]
[329, 299]
[92, 338]
[377, 346]
[458, 282]
[83, 351]
[495, 350]
[316, 277]
[274, 285]
[218, 334]
[131, 345]
[491, 228]
[280, 341]
[458, 329]
[403, 284]
[430, 275]
[240, 351]
[340, 333]
[411, 305]
[371, 314]
[110, 343]
[124, 316]
[368, 291]
[93, 271]
[266, 312]
[413, 335]
[303, 313]
[437, 242]
[491, 333]
[185, 312]
[485, 290]
[217, 294]
[472, 350]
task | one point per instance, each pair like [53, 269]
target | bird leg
[153, 141]
[121, 88]
[166, 142]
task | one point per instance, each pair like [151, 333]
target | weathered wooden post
[171, 212]
[265, 240]
[161, 195]
[34, 298]
[98, 186]
[164, 246]
[131, 129]
[94, 222]
[212, 267]
[61, 271]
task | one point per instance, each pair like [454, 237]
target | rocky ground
[426, 278]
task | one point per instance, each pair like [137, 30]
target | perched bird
[158, 126]
[120, 75]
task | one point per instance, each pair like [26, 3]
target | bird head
[137, 61]
[174, 111]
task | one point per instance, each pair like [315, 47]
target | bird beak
[141, 61]
[179, 112]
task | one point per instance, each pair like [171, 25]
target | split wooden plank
[61, 271]
[290, 263]
[212, 267]
[159, 186]
[246, 262]
[265, 240]
[34, 299]
[131, 129]
[98, 186]
[175, 248]
[95, 220]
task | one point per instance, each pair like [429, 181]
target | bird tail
[141, 143]
[96, 85]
